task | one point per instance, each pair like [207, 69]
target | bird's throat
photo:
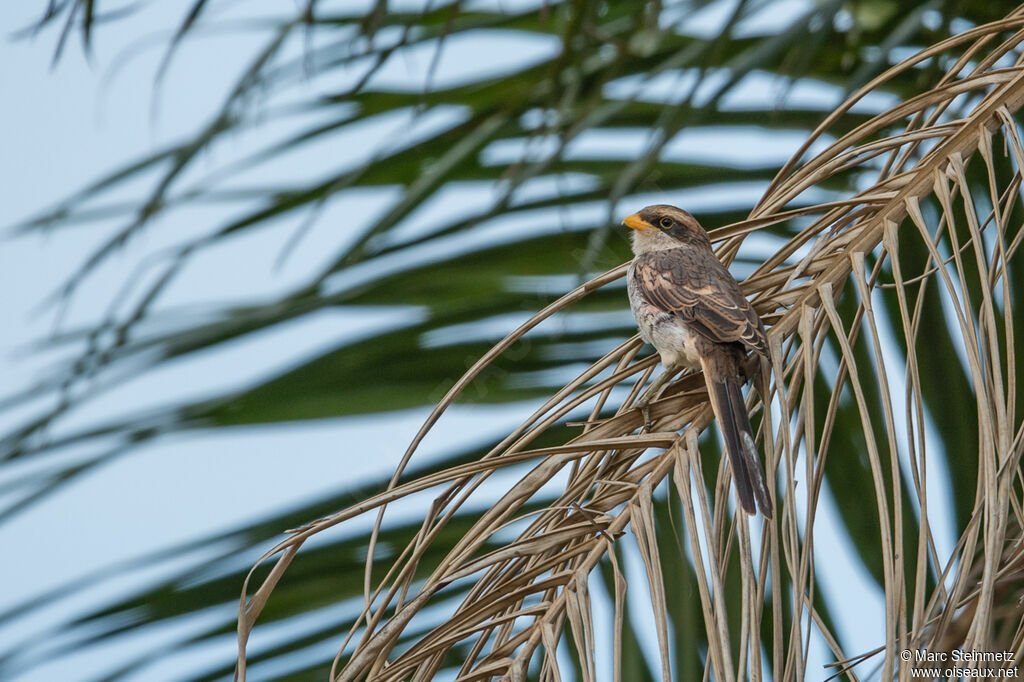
[645, 241]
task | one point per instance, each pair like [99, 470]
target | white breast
[669, 335]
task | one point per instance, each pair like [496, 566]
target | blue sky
[72, 123]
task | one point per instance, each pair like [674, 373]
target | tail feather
[731, 413]
[721, 402]
[750, 455]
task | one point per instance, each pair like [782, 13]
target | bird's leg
[652, 392]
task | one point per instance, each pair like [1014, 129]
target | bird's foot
[645, 411]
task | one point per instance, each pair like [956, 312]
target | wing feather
[695, 286]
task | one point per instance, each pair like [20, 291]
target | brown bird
[688, 306]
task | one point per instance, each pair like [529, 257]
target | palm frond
[929, 224]
[881, 256]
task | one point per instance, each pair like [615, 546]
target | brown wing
[694, 285]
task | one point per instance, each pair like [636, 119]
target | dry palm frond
[941, 174]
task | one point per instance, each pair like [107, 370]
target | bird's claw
[645, 411]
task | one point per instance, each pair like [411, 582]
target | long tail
[721, 373]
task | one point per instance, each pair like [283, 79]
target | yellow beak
[636, 222]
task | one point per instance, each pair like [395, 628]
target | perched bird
[688, 306]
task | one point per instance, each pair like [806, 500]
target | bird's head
[661, 219]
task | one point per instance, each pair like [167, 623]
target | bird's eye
[665, 223]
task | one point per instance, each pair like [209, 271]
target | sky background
[68, 124]
[72, 123]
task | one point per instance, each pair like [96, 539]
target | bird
[691, 309]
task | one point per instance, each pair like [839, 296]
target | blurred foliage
[649, 71]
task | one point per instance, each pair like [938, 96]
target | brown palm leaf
[941, 177]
